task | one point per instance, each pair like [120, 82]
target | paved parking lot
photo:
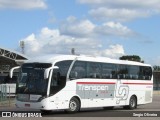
[99, 113]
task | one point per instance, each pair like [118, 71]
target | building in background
[156, 80]
[9, 59]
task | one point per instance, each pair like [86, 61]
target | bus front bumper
[43, 105]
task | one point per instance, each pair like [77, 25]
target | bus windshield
[31, 79]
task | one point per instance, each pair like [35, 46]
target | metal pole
[73, 51]
[1, 94]
[5, 94]
[9, 96]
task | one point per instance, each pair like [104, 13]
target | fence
[7, 94]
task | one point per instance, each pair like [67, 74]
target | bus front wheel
[74, 105]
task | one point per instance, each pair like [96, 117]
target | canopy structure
[9, 59]
[12, 55]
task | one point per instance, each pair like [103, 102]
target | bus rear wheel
[132, 103]
[74, 105]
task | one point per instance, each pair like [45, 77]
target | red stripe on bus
[96, 83]
[113, 83]
[139, 83]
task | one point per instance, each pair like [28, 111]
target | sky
[109, 28]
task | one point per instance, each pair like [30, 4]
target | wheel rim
[73, 106]
[133, 103]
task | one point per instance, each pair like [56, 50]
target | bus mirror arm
[46, 73]
[11, 71]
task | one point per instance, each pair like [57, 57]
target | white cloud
[23, 4]
[77, 28]
[50, 41]
[31, 44]
[122, 10]
[113, 51]
[85, 28]
[114, 29]
[131, 4]
[115, 14]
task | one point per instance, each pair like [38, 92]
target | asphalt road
[99, 113]
[153, 107]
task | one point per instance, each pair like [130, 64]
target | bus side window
[107, 71]
[122, 72]
[147, 73]
[94, 70]
[114, 71]
[142, 73]
[133, 72]
[78, 71]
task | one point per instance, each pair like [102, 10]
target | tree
[132, 58]
[156, 68]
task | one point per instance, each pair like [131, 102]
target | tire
[74, 105]
[132, 103]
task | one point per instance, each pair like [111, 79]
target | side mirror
[46, 72]
[11, 71]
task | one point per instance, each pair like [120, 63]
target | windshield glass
[31, 79]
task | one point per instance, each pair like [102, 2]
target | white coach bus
[73, 82]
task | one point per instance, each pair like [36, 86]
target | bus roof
[57, 57]
[51, 58]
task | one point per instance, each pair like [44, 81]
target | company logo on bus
[93, 87]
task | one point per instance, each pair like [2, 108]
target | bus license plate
[27, 105]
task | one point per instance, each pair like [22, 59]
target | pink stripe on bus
[138, 83]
